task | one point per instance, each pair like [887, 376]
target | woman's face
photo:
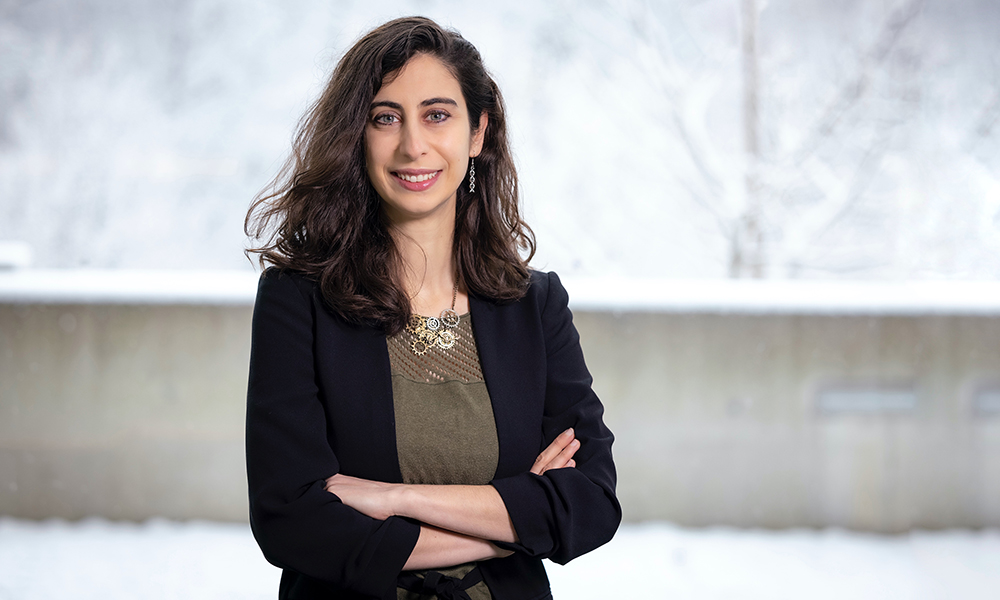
[418, 141]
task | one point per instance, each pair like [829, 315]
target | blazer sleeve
[297, 523]
[565, 512]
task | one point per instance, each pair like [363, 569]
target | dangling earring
[472, 176]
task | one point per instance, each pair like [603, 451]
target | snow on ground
[162, 559]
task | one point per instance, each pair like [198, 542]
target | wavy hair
[322, 217]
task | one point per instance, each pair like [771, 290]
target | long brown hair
[322, 217]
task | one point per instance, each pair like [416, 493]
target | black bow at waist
[439, 584]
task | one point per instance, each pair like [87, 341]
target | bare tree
[773, 203]
[746, 255]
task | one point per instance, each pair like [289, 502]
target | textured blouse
[445, 429]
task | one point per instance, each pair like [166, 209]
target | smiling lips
[416, 180]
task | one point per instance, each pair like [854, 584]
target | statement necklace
[434, 331]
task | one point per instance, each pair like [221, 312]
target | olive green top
[445, 431]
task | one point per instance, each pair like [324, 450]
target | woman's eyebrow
[398, 106]
[386, 103]
[430, 101]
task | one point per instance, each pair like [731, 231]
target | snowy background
[680, 139]
[691, 138]
[98, 560]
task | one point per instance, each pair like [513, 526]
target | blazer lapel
[511, 361]
[385, 457]
[356, 372]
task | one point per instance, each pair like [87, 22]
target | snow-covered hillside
[696, 138]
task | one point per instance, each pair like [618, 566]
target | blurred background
[778, 221]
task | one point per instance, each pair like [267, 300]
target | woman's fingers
[339, 479]
[373, 498]
[564, 457]
[553, 450]
[558, 454]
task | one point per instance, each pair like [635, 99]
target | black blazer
[320, 402]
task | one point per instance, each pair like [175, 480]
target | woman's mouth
[415, 180]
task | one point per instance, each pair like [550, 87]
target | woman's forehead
[423, 77]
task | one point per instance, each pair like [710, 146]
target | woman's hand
[372, 498]
[559, 454]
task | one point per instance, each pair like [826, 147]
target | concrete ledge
[125, 286]
[53, 286]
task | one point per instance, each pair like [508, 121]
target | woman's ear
[479, 135]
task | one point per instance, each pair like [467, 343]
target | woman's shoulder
[289, 291]
[275, 274]
[539, 277]
[544, 283]
[275, 281]
[545, 291]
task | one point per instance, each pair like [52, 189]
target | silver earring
[472, 176]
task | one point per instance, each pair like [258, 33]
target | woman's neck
[427, 250]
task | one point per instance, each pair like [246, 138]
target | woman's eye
[384, 119]
[437, 116]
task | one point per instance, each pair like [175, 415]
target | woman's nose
[412, 143]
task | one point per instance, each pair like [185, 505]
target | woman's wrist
[398, 497]
[411, 501]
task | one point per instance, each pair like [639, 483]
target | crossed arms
[457, 521]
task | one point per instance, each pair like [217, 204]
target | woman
[391, 454]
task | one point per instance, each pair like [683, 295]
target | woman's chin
[414, 210]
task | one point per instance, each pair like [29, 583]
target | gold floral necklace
[434, 331]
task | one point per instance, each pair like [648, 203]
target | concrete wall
[123, 411]
[718, 419]
[130, 411]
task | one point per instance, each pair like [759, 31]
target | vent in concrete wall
[987, 402]
[862, 399]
